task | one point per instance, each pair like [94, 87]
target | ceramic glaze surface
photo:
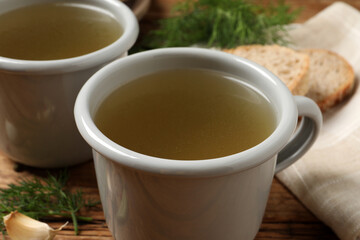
[144, 206]
[36, 118]
[37, 97]
[153, 198]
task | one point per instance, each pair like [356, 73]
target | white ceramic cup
[149, 198]
[37, 125]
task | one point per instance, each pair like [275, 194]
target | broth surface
[187, 115]
[52, 31]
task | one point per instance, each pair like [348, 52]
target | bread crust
[346, 82]
[289, 65]
[313, 69]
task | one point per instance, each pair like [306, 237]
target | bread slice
[287, 64]
[331, 76]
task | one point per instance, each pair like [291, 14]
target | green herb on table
[221, 24]
[44, 199]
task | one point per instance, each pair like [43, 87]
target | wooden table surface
[285, 216]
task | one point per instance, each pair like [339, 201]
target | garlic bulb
[21, 227]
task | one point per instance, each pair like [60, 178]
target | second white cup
[37, 97]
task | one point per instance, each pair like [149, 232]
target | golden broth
[186, 114]
[55, 31]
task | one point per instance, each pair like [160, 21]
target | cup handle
[304, 136]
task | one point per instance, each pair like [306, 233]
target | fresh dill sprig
[45, 198]
[221, 24]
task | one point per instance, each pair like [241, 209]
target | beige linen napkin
[327, 178]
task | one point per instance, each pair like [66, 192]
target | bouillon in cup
[149, 117]
[186, 114]
[48, 49]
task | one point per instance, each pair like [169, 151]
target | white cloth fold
[327, 178]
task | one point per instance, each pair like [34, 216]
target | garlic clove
[21, 227]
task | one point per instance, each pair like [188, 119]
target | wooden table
[285, 216]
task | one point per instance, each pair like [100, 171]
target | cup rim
[92, 59]
[249, 158]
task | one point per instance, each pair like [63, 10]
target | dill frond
[45, 198]
[221, 24]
